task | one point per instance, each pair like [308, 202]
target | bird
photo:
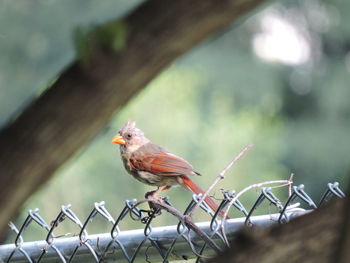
[153, 165]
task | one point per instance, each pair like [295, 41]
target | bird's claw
[152, 205]
[156, 211]
[150, 194]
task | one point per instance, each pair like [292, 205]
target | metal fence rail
[160, 244]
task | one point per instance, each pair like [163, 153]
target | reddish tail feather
[197, 190]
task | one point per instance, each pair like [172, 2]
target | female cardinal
[153, 165]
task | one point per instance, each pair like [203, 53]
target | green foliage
[88, 41]
[83, 45]
[113, 35]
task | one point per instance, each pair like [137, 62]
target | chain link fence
[150, 244]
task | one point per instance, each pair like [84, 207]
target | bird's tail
[197, 190]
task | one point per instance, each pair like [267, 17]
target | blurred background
[279, 78]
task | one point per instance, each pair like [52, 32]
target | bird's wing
[156, 160]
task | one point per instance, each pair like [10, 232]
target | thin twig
[220, 177]
[234, 199]
[185, 219]
[290, 185]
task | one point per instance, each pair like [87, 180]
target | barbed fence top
[153, 244]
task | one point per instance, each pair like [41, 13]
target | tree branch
[185, 219]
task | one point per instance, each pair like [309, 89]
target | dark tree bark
[82, 100]
[322, 236]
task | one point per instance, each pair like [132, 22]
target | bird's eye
[129, 136]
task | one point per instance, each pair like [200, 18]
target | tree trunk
[322, 236]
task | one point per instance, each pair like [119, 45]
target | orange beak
[118, 139]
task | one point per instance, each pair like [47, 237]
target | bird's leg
[150, 193]
[160, 189]
[154, 195]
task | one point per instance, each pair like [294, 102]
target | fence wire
[159, 244]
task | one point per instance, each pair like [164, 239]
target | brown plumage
[154, 165]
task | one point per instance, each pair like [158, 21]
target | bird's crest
[130, 124]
